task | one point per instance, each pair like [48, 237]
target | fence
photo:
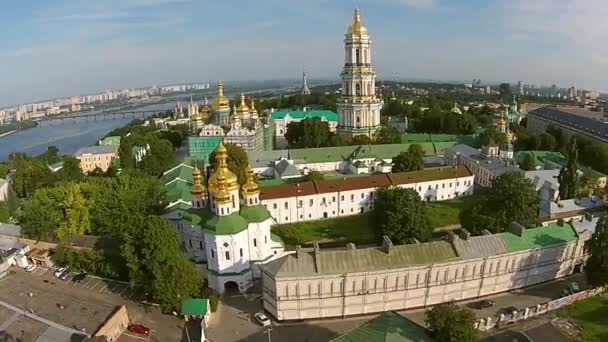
[532, 311]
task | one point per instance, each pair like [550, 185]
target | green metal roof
[181, 171]
[255, 214]
[328, 154]
[113, 140]
[388, 327]
[539, 237]
[226, 225]
[179, 189]
[361, 260]
[299, 115]
[195, 307]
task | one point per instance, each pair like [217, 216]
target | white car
[60, 271]
[262, 319]
[30, 268]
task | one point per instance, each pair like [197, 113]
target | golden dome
[356, 27]
[242, 106]
[222, 195]
[252, 108]
[197, 186]
[250, 187]
[221, 101]
[222, 171]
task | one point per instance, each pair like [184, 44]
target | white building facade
[316, 200]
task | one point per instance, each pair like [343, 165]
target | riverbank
[7, 133]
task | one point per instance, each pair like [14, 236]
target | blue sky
[51, 48]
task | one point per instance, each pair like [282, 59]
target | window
[286, 205]
[436, 186]
[371, 195]
[241, 252]
[358, 91]
[201, 244]
[450, 184]
[255, 242]
[311, 202]
[190, 243]
[300, 204]
[212, 254]
[342, 211]
[357, 56]
[333, 199]
[274, 205]
[227, 255]
[443, 186]
[429, 187]
[342, 198]
[419, 188]
[362, 195]
[286, 218]
[352, 197]
[265, 239]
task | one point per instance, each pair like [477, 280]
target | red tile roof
[352, 183]
[287, 190]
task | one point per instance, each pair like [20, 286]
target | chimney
[517, 228]
[452, 236]
[387, 244]
[351, 246]
[317, 257]
[463, 233]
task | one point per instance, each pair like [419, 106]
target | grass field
[592, 316]
[359, 228]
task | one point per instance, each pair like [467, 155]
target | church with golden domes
[218, 122]
[226, 227]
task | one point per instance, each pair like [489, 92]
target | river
[69, 136]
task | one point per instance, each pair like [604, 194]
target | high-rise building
[358, 107]
[520, 87]
[305, 90]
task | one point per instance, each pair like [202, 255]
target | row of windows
[311, 201]
[227, 253]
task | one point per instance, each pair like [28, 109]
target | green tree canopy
[402, 215]
[387, 135]
[447, 322]
[529, 163]
[237, 160]
[568, 176]
[511, 198]
[311, 132]
[596, 268]
[411, 160]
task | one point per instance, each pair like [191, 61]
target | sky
[53, 48]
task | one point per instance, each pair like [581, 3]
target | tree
[96, 172]
[597, 264]
[511, 198]
[412, 160]
[4, 213]
[4, 169]
[311, 132]
[529, 162]
[387, 135]
[447, 322]
[547, 142]
[568, 175]
[360, 140]
[402, 215]
[237, 160]
[157, 267]
[57, 212]
[491, 134]
[160, 157]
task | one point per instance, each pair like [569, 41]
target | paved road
[232, 322]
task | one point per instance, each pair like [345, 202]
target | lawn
[357, 229]
[446, 213]
[592, 316]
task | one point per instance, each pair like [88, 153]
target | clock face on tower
[358, 107]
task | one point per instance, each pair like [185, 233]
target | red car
[139, 329]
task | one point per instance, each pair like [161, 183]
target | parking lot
[63, 306]
[90, 282]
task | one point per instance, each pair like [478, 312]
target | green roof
[557, 158]
[181, 171]
[388, 327]
[226, 225]
[327, 154]
[539, 237]
[195, 307]
[299, 115]
[113, 140]
[255, 214]
[415, 138]
[361, 260]
[179, 189]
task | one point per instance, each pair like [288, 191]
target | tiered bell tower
[358, 107]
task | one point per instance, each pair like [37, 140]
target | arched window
[358, 89]
[241, 251]
[369, 89]
[358, 56]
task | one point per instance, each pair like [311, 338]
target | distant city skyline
[60, 48]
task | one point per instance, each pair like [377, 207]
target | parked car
[60, 271]
[574, 288]
[79, 277]
[139, 329]
[30, 268]
[482, 304]
[262, 319]
[64, 275]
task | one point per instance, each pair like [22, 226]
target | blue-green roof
[388, 327]
[195, 307]
[300, 115]
[539, 237]
[228, 224]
